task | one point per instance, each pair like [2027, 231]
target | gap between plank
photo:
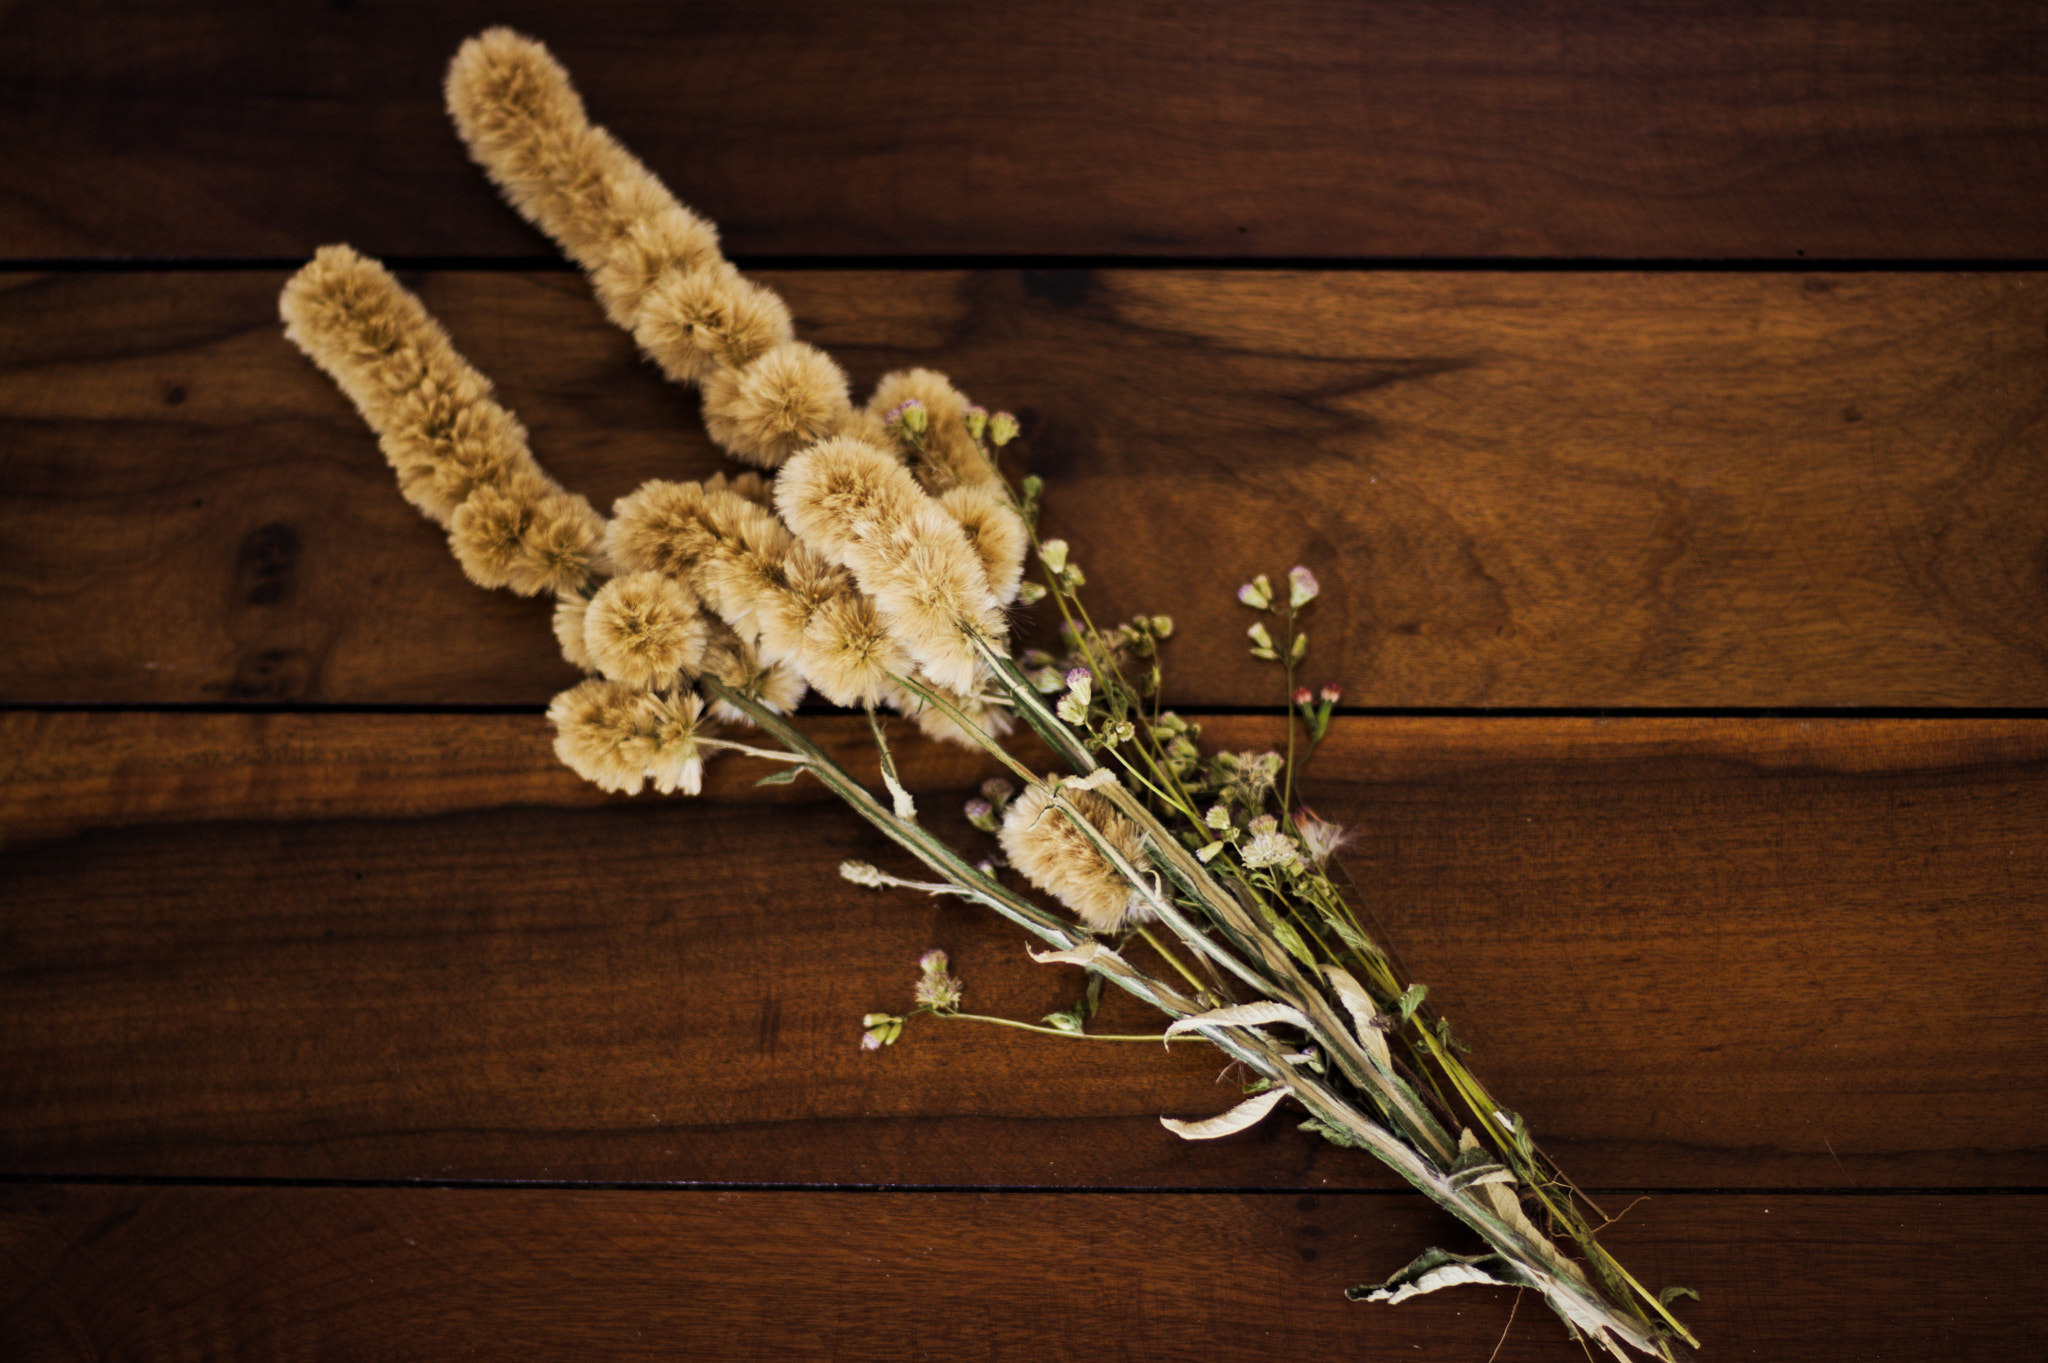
[1188, 711]
[1800, 264]
[1023, 1189]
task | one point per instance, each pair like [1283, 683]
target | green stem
[980, 735]
[1055, 1031]
[1287, 781]
[1171, 959]
[1032, 709]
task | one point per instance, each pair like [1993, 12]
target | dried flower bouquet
[876, 568]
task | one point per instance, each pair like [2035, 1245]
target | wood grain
[1704, 490]
[397, 1274]
[1734, 953]
[1618, 130]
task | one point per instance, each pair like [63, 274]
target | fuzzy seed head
[950, 457]
[596, 724]
[644, 628]
[528, 535]
[697, 323]
[670, 242]
[571, 610]
[930, 589]
[842, 492]
[789, 398]
[1320, 839]
[997, 534]
[808, 582]
[848, 655]
[733, 662]
[1042, 842]
[664, 742]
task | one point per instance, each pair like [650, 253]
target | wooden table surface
[1660, 391]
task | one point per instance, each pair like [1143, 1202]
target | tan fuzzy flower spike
[528, 535]
[431, 410]
[525, 125]
[1059, 858]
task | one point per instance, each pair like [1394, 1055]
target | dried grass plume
[525, 125]
[431, 410]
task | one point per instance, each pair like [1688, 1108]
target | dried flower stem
[1055, 1031]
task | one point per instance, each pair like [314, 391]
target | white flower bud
[1301, 587]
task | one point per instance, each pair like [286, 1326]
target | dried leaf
[1359, 1004]
[1434, 1270]
[1286, 936]
[1242, 1015]
[1246, 1113]
[1507, 1205]
[1335, 1135]
[1480, 1175]
[906, 808]
[1088, 953]
[780, 778]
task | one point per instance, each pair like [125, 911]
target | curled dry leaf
[1359, 1004]
[1242, 1015]
[1088, 953]
[1246, 1113]
[1507, 1205]
[1435, 1269]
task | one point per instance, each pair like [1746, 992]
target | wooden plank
[1616, 130]
[431, 1273]
[1732, 953]
[1518, 489]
